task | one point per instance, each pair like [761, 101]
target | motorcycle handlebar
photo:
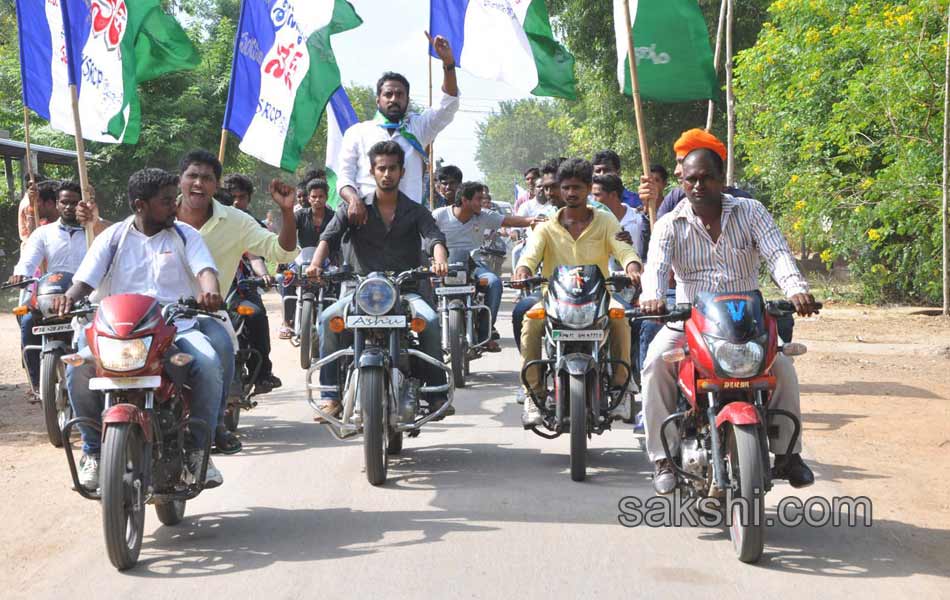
[24, 283]
[680, 313]
[783, 308]
[525, 283]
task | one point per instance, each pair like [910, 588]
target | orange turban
[695, 139]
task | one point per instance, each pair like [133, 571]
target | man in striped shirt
[715, 243]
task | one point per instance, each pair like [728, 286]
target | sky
[392, 38]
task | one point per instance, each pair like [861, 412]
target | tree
[519, 135]
[840, 118]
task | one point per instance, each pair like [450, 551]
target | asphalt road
[474, 507]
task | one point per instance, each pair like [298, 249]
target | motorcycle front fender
[53, 345]
[577, 364]
[738, 413]
[127, 413]
[372, 357]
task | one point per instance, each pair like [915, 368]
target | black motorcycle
[577, 314]
[380, 388]
[247, 360]
[58, 337]
[312, 297]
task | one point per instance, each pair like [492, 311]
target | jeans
[430, 342]
[204, 376]
[32, 359]
[220, 338]
[492, 300]
[517, 314]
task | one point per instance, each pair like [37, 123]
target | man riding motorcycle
[715, 242]
[577, 235]
[150, 253]
[62, 245]
[464, 223]
[395, 229]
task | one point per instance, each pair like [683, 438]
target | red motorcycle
[725, 383]
[143, 377]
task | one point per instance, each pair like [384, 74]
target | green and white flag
[674, 59]
[283, 74]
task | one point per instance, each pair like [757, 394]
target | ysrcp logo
[109, 18]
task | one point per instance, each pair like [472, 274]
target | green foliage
[840, 107]
[519, 135]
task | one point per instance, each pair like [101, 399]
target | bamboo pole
[946, 176]
[431, 146]
[730, 100]
[28, 158]
[637, 108]
[222, 146]
[718, 55]
[81, 158]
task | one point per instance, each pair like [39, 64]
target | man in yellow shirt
[577, 235]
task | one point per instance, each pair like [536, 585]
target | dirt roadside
[875, 398]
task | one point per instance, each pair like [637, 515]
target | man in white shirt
[464, 224]
[62, 245]
[150, 254]
[413, 132]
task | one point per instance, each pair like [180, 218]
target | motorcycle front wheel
[744, 464]
[372, 398]
[578, 407]
[306, 334]
[123, 500]
[456, 347]
[51, 380]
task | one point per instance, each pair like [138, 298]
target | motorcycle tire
[306, 334]
[395, 443]
[372, 396]
[123, 508]
[456, 346]
[170, 513]
[232, 416]
[578, 407]
[50, 382]
[744, 463]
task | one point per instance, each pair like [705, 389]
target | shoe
[213, 476]
[638, 423]
[266, 383]
[792, 468]
[89, 472]
[664, 480]
[436, 403]
[331, 407]
[492, 346]
[494, 334]
[226, 442]
[531, 417]
[520, 396]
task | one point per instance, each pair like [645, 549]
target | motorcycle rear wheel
[578, 406]
[395, 443]
[232, 416]
[744, 462]
[123, 507]
[50, 383]
[375, 435]
[306, 334]
[456, 347]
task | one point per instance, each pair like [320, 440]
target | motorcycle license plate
[454, 291]
[124, 383]
[567, 335]
[368, 322]
[48, 329]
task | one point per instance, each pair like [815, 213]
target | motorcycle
[312, 298]
[247, 360]
[461, 299]
[725, 382]
[147, 410]
[577, 314]
[58, 339]
[381, 395]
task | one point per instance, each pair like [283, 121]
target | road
[474, 507]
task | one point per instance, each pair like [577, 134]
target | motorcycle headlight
[576, 316]
[45, 305]
[737, 360]
[376, 296]
[460, 278]
[123, 355]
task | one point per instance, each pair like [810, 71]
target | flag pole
[28, 157]
[81, 158]
[946, 176]
[637, 108]
[222, 145]
[719, 28]
[431, 145]
[730, 100]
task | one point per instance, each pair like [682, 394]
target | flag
[506, 40]
[340, 117]
[106, 48]
[283, 74]
[674, 60]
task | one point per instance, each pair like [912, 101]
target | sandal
[226, 442]
[492, 346]
[285, 333]
[331, 407]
